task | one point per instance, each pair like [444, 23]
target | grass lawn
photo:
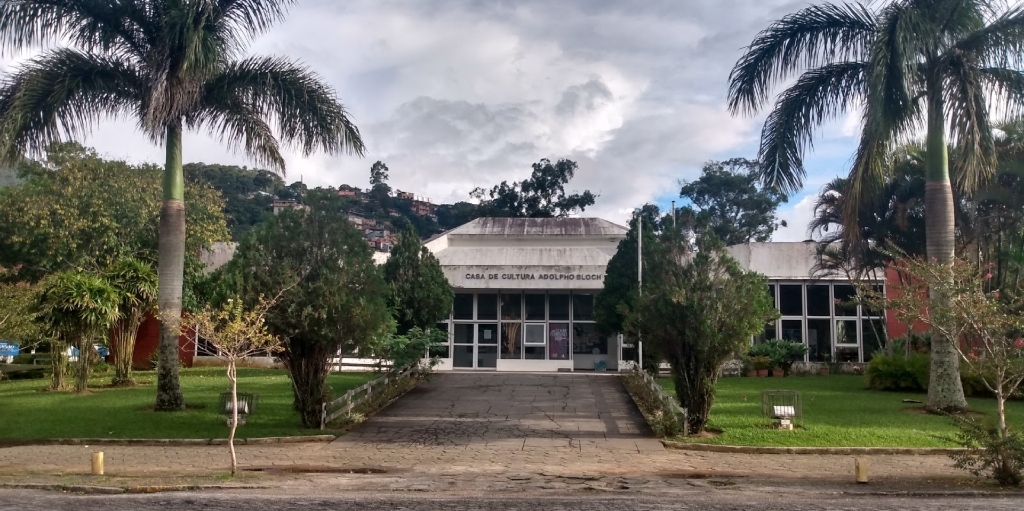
[28, 412]
[838, 412]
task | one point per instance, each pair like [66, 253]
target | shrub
[989, 453]
[899, 373]
[784, 354]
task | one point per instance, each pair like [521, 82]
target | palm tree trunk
[945, 391]
[122, 347]
[84, 353]
[170, 273]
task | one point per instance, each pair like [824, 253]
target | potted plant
[784, 354]
[761, 364]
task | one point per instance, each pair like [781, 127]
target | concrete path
[511, 411]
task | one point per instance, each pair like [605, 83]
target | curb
[743, 449]
[117, 490]
[18, 442]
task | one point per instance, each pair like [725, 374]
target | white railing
[361, 395]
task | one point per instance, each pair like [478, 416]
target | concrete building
[525, 292]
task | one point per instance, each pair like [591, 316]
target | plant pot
[751, 374]
[761, 373]
[823, 371]
[778, 372]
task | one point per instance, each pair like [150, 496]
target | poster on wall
[558, 341]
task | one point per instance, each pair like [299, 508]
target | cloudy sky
[454, 94]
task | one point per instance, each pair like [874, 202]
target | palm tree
[78, 307]
[136, 286]
[910, 64]
[171, 65]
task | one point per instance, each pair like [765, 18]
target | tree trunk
[122, 347]
[84, 353]
[59, 364]
[233, 378]
[308, 366]
[695, 394]
[170, 273]
[945, 391]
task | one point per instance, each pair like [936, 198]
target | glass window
[792, 330]
[586, 340]
[819, 339]
[487, 356]
[846, 300]
[462, 306]
[847, 354]
[512, 340]
[870, 311]
[771, 293]
[846, 331]
[558, 341]
[462, 355]
[558, 307]
[583, 307]
[791, 300]
[488, 334]
[511, 306]
[535, 306]
[535, 334]
[535, 352]
[487, 306]
[873, 331]
[769, 333]
[463, 333]
[818, 301]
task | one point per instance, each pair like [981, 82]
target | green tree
[248, 193]
[728, 202]
[378, 174]
[339, 301]
[620, 280]
[941, 64]
[135, 282]
[17, 313]
[77, 210]
[170, 64]
[541, 196]
[78, 308]
[450, 216]
[698, 310]
[420, 294]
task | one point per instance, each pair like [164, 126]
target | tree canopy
[729, 202]
[542, 195]
[78, 210]
[420, 294]
[334, 295]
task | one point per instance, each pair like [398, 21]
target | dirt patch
[700, 474]
[317, 469]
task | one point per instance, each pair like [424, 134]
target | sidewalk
[358, 466]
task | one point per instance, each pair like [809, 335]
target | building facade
[524, 293]
[525, 288]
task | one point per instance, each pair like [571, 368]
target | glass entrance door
[475, 346]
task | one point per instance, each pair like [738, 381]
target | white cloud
[454, 94]
[797, 216]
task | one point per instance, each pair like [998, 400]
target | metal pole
[640, 279]
[673, 213]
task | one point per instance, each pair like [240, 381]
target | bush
[988, 454]
[784, 354]
[899, 373]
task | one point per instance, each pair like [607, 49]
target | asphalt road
[23, 500]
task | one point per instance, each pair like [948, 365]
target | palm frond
[1005, 88]
[970, 129]
[59, 95]
[239, 124]
[93, 25]
[810, 37]
[819, 95]
[250, 18]
[998, 44]
[304, 109]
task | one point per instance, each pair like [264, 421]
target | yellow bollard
[861, 466]
[97, 463]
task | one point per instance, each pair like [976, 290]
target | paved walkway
[483, 433]
[511, 411]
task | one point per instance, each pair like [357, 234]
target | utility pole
[673, 213]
